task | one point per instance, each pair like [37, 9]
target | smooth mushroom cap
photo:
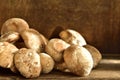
[47, 62]
[14, 24]
[72, 37]
[96, 55]
[33, 40]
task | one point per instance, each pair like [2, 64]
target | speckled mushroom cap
[7, 51]
[78, 60]
[27, 61]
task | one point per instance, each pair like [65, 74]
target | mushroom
[10, 37]
[78, 60]
[27, 61]
[14, 24]
[33, 40]
[47, 62]
[44, 42]
[55, 48]
[72, 37]
[7, 51]
[96, 55]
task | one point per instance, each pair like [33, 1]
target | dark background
[97, 20]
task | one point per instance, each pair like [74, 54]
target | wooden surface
[108, 69]
[97, 20]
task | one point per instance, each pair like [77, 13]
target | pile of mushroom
[25, 50]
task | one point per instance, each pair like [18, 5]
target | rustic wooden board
[97, 20]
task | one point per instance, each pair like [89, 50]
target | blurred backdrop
[97, 20]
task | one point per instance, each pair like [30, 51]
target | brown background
[97, 20]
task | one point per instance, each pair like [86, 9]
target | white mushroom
[47, 62]
[33, 40]
[27, 61]
[14, 24]
[55, 48]
[7, 51]
[96, 55]
[72, 37]
[10, 37]
[78, 60]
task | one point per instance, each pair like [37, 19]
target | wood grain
[97, 20]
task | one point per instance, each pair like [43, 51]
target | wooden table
[108, 69]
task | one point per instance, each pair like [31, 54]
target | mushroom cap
[72, 37]
[27, 61]
[96, 55]
[10, 37]
[33, 40]
[55, 48]
[7, 51]
[47, 63]
[78, 60]
[14, 24]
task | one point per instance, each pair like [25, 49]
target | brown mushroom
[47, 62]
[44, 42]
[96, 55]
[14, 24]
[55, 48]
[27, 61]
[78, 60]
[7, 51]
[33, 40]
[72, 37]
[10, 37]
